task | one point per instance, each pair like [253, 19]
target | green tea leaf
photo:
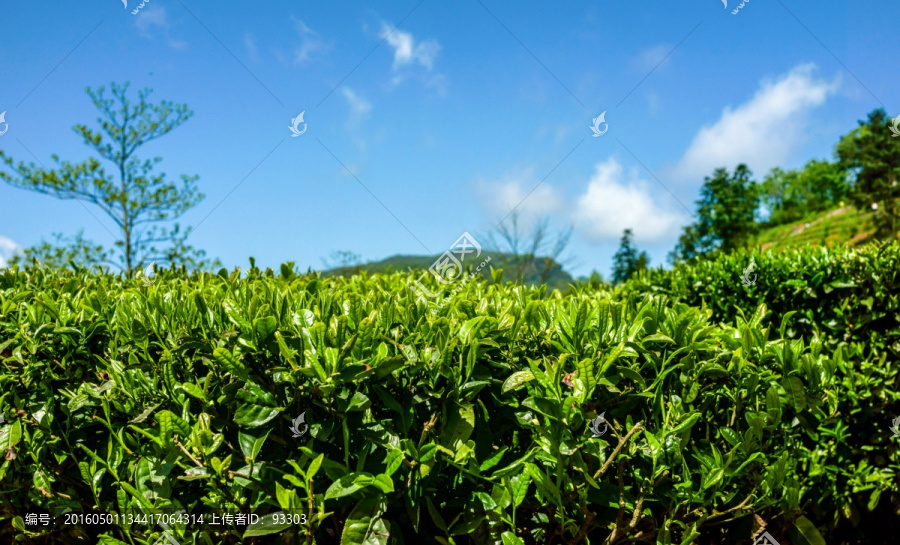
[193, 390]
[509, 538]
[809, 531]
[493, 460]
[314, 466]
[795, 391]
[349, 484]
[285, 350]
[773, 405]
[686, 425]
[230, 363]
[516, 381]
[266, 526]
[10, 435]
[364, 525]
[265, 327]
[253, 415]
[713, 478]
[251, 445]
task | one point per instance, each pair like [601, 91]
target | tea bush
[468, 425]
[843, 295]
[848, 298]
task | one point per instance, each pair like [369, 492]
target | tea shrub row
[470, 425]
[849, 298]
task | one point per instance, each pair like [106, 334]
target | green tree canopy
[726, 215]
[138, 200]
[628, 260]
[791, 195]
[871, 152]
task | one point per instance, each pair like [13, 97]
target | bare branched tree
[342, 259]
[534, 255]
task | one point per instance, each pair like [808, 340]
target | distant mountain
[557, 278]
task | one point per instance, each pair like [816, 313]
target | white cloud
[763, 131]
[615, 200]
[407, 51]
[359, 106]
[156, 18]
[8, 248]
[516, 188]
[311, 46]
[250, 44]
[653, 102]
[151, 16]
[650, 58]
[352, 170]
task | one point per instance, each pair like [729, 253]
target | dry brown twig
[622, 528]
[188, 454]
[622, 442]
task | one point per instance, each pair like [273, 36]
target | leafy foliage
[726, 215]
[872, 154]
[66, 251]
[794, 194]
[470, 425]
[847, 300]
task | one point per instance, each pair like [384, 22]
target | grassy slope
[841, 225]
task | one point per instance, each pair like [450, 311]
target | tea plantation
[728, 410]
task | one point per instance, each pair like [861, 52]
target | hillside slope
[557, 278]
[844, 225]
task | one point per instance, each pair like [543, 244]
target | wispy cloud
[8, 248]
[407, 51]
[615, 200]
[250, 45]
[312, 46]
[153, 20]
[762, 132]
[359, 106]
[649, 58]
[499, 196]
[653, 102]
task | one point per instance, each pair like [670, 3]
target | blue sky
[447, 124]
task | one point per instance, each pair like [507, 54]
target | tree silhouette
[627, 260]
[131, 194]
[726, 215]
